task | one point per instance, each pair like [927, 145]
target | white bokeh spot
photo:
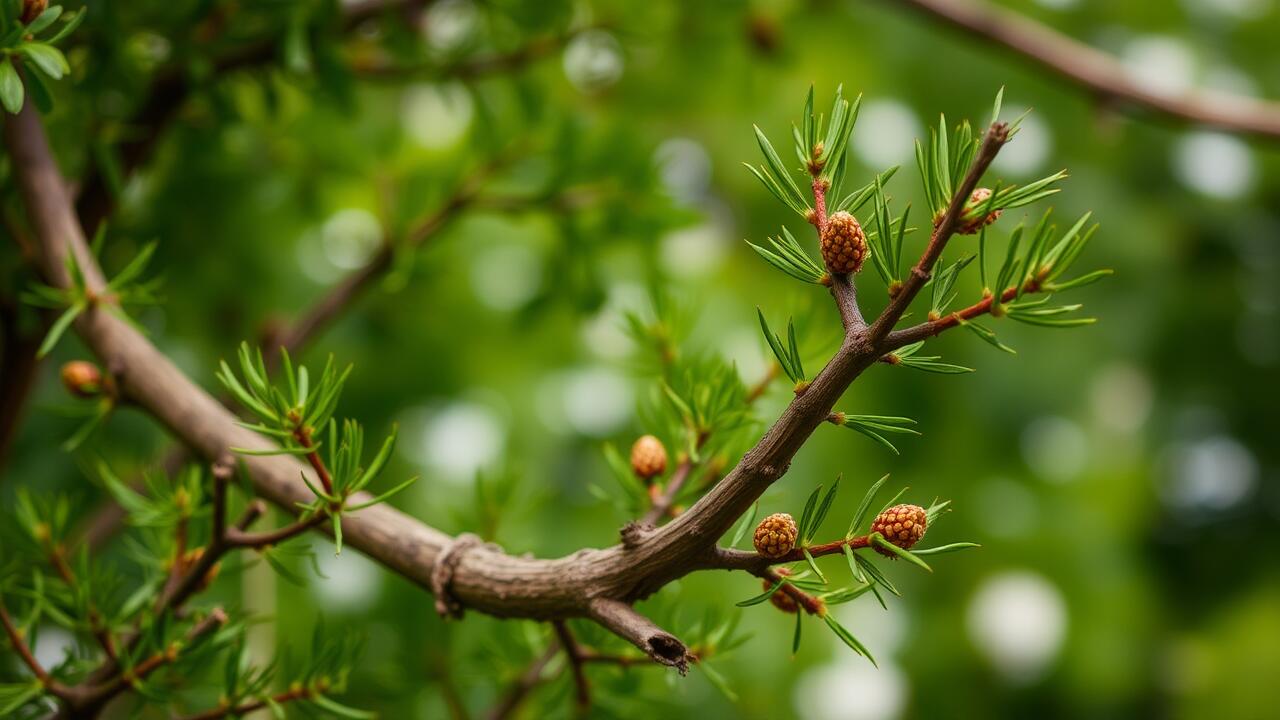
[436, 116]
[1018, 620]
[886, 133]
[1215, 164]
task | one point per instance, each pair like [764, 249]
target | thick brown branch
[1098, 72]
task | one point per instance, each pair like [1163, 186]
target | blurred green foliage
[1122, 478]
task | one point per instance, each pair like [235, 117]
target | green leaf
[943, 549]
[1083, 280]
[865, 504]
[276, 450]
[790, 258]
[11, 92]
[325, 703]
[780, 172]
[58, 328]
[744, 525]
[839, 597]
[73, 22]
[44, 19]
[718, 681]
[821, 514]
[15, 695]
[133, 269]
[809, 506]
[847, 637]
[813, 565]
[795, 641]
[875, 574]
[762, 596]
[788, 356]
[987, 336]
[47, 58]
[379, 460]
[384, 496]
[878, 540]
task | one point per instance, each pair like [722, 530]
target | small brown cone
[648, 457]
[781, 599]
[979, 196]
[775, 535]
[82, 379]
[843, 244]
[902, 525]
[32, 9]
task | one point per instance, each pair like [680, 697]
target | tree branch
[997, 135]
[1097, 72]
[930, 328]
[598, 584]
[531, 678]
[658, 644]
[574, 652]
[170, 89]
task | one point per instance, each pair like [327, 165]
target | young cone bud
[82, 379]
[648, 457]
[781, 599]
[31, 9]
[191, 558]
[776, 535]
[843, 244]
[902, 525]
[979, 196]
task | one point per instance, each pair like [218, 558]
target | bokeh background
[1121, 478]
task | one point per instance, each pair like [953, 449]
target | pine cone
[781, 599]
[843, 244]
[776, 535]
[648, 457]
[31, 9]
[902, 525]
[979, 196]
[82, 379]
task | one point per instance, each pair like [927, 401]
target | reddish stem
[303, 436]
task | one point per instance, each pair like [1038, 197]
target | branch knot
[447, 605]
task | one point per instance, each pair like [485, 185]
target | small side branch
[623, 620]
[574, 652]
[997, 135]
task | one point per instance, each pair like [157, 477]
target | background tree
[344, 155]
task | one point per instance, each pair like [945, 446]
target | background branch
[1097, 72]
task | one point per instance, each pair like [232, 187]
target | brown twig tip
[624, 621]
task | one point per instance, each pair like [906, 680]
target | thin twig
[531, 678]
[995, 138]
[573, 651]
[253, 705]
[20, 646]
